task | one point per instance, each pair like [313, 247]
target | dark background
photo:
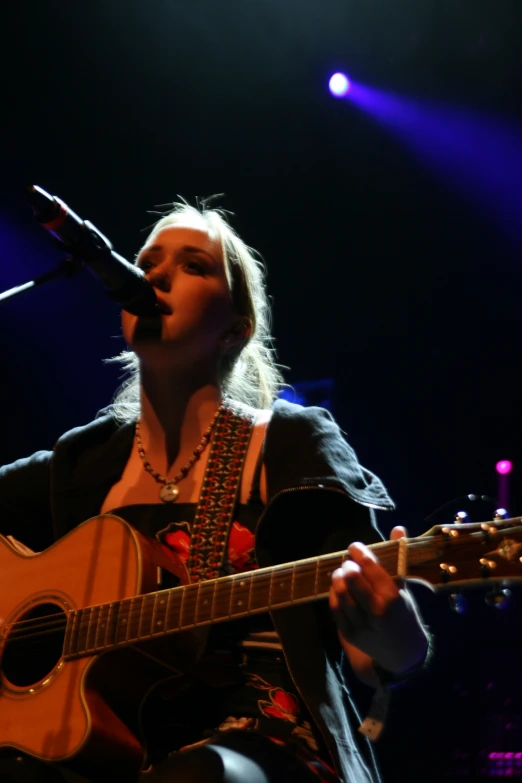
[385, 278]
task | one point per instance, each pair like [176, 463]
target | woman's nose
[159, 278]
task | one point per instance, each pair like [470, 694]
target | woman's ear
[238, 333]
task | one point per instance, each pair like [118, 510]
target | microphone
[124, 282]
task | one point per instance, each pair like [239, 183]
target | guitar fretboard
[446, 556]
[98, 628]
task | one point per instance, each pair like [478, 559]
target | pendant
[169, 492]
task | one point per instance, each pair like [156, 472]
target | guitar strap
[219, 491]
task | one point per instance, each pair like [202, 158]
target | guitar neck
[453, 554]
[96, 629]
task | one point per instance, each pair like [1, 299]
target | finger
[341, 578]
[347, 612]
[356, 595]
[351, 593]
[399, 531]
[361, 553]
[378, 588]
[372, 570]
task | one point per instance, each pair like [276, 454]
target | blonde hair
[249, 371]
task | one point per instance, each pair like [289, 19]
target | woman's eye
[195, 267]
[145, 265]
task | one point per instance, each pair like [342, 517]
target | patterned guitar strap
[219, 492]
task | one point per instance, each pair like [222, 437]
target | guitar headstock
[470, 554]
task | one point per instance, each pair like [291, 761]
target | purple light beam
[479, 155]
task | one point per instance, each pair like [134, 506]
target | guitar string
[190, 600]
[189, 587]
[58, 621]
[324, 562]
[412, 544]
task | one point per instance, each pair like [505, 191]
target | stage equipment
[339, 85]
[86, 246]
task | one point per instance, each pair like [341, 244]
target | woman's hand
[377, 621]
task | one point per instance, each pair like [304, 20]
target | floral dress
[242, 678]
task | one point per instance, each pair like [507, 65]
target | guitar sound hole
[34, 645]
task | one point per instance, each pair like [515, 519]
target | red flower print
[176, 538]
[281, 705]
[241, 548]
[180, 543]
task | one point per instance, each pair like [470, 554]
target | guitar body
[85, 634]
[82, 712]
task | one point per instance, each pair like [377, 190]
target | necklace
[169, 491]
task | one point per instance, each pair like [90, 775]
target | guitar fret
[90, 619]
[122, 621]
[159, 616]
[154, 610]
[101, 626]
[112, 624]
[250, 583]
[316, 577]
[259, 591]
[133, 619]
[69, 622]
[146, 615]
[188, 605]
[304, 582]
[222, 598]
[205, 602]
[174, 604]
[325, 576]
[83, 629]
[281, 587]
[70, 646]
[240, 596]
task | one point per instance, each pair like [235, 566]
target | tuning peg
[461, 517]
[498, 598]
[457, 603]
[501, 513]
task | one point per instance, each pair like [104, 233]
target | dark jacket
[320, 500]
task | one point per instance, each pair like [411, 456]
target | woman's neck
[175, 412]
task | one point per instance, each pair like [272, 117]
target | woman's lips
[150, 327]
[164, 308]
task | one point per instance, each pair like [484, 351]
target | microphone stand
[86, 246]
[67, 268]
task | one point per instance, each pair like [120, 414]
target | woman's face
[183, 263]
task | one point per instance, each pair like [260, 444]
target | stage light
[480, 154]
[504, 467]
[339, 85]
[319, 392]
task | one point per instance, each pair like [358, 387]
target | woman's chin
[147, 330]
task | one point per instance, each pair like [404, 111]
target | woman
[269, 700]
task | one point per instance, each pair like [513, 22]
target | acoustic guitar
[85, 633]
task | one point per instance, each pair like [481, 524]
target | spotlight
[339, 85]
[504, 467]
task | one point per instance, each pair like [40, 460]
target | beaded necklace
[169, 490]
